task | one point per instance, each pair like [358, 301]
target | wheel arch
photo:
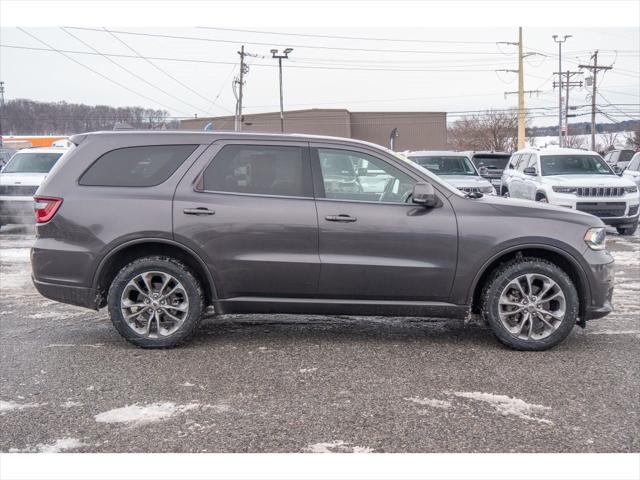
[123, 254]
[559, 257]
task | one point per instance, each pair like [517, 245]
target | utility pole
[521, 91]
[238, 122]
[568, 84]
[560, 42]
[1, 110]
[595, 68]
[285, 54]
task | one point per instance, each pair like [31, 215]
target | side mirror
[425, 195]
[362, 172]
[617, 170]
[484, 171]
[530, 171]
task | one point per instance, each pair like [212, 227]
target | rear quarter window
[144, 166]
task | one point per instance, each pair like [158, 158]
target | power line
[95, 71]
[162, 70]
[319, 47]
[438, 70]
[132, 73]
[339, 37]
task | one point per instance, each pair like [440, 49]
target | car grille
[603, 209]
[18, 190]
[600, 191]
[470, 189]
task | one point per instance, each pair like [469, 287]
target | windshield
[493, 162]
[32, 162]
[445, 165]
[574, 165]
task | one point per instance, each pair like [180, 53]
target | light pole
[285, 54]
[560, 42]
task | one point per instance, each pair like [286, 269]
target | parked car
[575, 179]
[493, 162]
[5, 156]
[455, 168]
[19, 181]
[632, 172]
[619, 158]
[158, 226]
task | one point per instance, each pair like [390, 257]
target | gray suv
[159, 226]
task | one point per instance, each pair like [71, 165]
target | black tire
[628, 230]
[501, 277]
[541, 197]
[505, 192]
[180, 272]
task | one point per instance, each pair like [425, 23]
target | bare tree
[575, 141]
[609, 140]
[494, 130]
[633, 139]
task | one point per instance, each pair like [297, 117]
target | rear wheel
[505, 193]
[155, 302]
[530, 303]
[541, 198]
[628, 230]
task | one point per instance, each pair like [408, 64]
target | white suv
[20, 179]
[576, 179]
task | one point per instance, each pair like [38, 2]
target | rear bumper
[73, 295]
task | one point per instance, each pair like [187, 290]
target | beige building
[415, 130]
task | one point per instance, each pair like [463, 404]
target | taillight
[46, 208]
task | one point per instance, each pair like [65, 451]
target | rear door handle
[198, 211]
[340, 218]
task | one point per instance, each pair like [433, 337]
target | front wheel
[628, 230]
[155, 302]
[530, 303]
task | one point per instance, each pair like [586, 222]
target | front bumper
[601, 284]
[19, 210]
[625, 208]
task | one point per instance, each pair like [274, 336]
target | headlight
[565, 189]
[488, 189]
[596, 238]
[631, 189]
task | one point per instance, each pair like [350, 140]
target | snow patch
[60, 445]
[507, 405]
[14, 255]
[9, 406]
[430, 402]
[71, 404]
[627, 258]
[337, 446]
[142, 414]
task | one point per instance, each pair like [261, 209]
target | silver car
[455, 168]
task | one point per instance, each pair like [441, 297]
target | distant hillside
[583, 128]
[29, 117]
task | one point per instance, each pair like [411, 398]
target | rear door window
[259, 169]
[144, 166]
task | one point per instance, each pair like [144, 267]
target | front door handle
[340, 218]
[198, 211]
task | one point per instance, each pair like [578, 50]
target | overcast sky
[450, 69]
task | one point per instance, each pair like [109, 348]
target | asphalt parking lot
[312, 384]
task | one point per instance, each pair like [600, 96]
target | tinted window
[625, 155]
[635, 163]
[362, 177]
[574, 165]
[136, 166]
[265, 170]
[492, 162]
[445, 164]
[32, 162]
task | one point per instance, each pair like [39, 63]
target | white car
[576, 179]
[20, 179]
[632, 172]
[455, 168]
